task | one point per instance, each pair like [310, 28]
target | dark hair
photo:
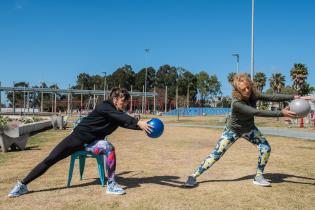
[119, 93]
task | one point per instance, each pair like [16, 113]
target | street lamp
[147, 50]
[104, 72]
[252, 44]
[237, 61]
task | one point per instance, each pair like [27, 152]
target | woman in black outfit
[102, 121]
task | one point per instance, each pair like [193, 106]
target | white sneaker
[19, 189]
[114, 188]
[261, 181]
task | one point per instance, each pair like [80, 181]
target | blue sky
[55, 40]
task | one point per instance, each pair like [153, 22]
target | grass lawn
[153, 171]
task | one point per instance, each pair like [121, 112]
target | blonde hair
[238, 78]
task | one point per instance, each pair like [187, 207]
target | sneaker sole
[14, 196]
[189, 185]
[115, 193]
[259, 184]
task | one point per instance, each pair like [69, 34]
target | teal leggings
[227, 139]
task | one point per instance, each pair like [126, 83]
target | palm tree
[230, 77]
[298, 73]
[277, 82]
[260, 81]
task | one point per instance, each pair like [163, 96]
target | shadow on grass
[273, 177]
[131, 182]
[95, 181]
[173, 181]
[33, 148]
[14, 148]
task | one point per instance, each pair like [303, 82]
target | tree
[225, 102]
[277, 82]
[84, 81]
[166, 76]
[187, 83]
[287, 90]
[214, 87]
[231, 77]
[203, 85]
[298, 73]
[306, 89]
[123, 77]
[209, 87]
[140, 78]
[46, 98]
[260, 81]
[19, 96]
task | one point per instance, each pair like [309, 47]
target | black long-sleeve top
[102, 121]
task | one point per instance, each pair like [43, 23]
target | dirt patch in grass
[153, 171]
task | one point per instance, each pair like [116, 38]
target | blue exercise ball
[158, 128]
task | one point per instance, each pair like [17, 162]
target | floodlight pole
[13, 102]
[42, 99]
[252, 44]
[104, 72]
[147, 50]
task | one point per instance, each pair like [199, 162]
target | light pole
[237, 61]
[42, 98]
[147, 50]
[24, 99]
[178, 71]
[104, 72]
[252, 44]
[28, 98]
[13, 102]
[188, 94]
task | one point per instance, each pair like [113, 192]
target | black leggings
[65, 148]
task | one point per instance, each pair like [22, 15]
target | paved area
[265, 130]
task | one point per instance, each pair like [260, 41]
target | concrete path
[286, 132]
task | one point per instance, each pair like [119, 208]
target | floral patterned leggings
[227, 139]
[106, 148]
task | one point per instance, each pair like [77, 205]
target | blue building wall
[198, 111]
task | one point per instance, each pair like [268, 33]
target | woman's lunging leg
[226, 140]
[66, 147]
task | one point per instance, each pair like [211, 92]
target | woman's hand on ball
[287, 113]
[306, 97]
[303, 97]
[145, 126]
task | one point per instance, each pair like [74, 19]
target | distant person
[102, 121]
[241, 124]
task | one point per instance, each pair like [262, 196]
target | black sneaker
[191, 182]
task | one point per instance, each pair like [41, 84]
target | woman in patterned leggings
[241, 124]
[101, 122]
[105, 147]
